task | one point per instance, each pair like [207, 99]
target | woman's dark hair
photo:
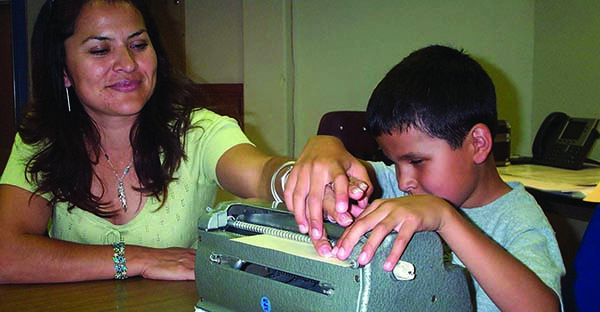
[438, 90]
[63, 166]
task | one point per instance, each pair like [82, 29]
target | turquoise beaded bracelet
[119, 260]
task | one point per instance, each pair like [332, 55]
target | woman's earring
[68, 99]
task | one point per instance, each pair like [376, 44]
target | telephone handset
[563, 141]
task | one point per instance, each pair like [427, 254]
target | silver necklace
[120, 185]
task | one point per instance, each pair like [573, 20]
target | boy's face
[427, 165]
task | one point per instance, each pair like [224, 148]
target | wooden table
[133, 294]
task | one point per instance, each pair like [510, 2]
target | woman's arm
[28, 255]
[508, 282]
[246, 172]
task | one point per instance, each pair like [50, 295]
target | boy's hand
[404, 215]
[325, 167]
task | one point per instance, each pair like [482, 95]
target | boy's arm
[508, 282]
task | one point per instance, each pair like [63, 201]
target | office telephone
[563, 141]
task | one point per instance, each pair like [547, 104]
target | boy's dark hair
[438, 90]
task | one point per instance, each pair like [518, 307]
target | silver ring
[330, 185]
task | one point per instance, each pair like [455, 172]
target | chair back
[351, 128]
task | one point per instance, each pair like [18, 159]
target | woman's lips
[125, 85]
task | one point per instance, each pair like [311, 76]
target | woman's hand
[326, 181]
[166, 264]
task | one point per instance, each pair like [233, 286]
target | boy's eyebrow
[104, 38]
[410, 155]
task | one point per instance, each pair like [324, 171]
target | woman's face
[110, 61]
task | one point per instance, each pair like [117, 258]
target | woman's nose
[125, 61]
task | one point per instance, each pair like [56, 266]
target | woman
[113, 152]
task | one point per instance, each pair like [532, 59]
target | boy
[434, 115]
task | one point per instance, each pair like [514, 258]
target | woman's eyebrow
[137, 33]
[105, 38]
[96, 37]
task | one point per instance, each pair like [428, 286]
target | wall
[299, 59]
[249, 42]
[566, 63]
[323, 56]
[214, 41]
[540, 54]
[342, 50]
[304, 58]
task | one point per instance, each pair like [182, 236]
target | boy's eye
[415, 161]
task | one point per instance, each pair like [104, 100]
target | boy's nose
[406, 183]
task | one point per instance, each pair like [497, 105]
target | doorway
[7, 108]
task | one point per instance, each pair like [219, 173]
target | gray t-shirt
[515, 221]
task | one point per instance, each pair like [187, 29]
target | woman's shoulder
[23, 149]
[205, 114]
[203, 119]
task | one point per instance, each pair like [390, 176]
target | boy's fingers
[403, 237]
[348, 240]
[375, 238]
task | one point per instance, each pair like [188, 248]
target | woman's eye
[416, 161]
[139, 45]
[99, 51]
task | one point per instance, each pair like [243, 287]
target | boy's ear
[66, 78]
[482, 142]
